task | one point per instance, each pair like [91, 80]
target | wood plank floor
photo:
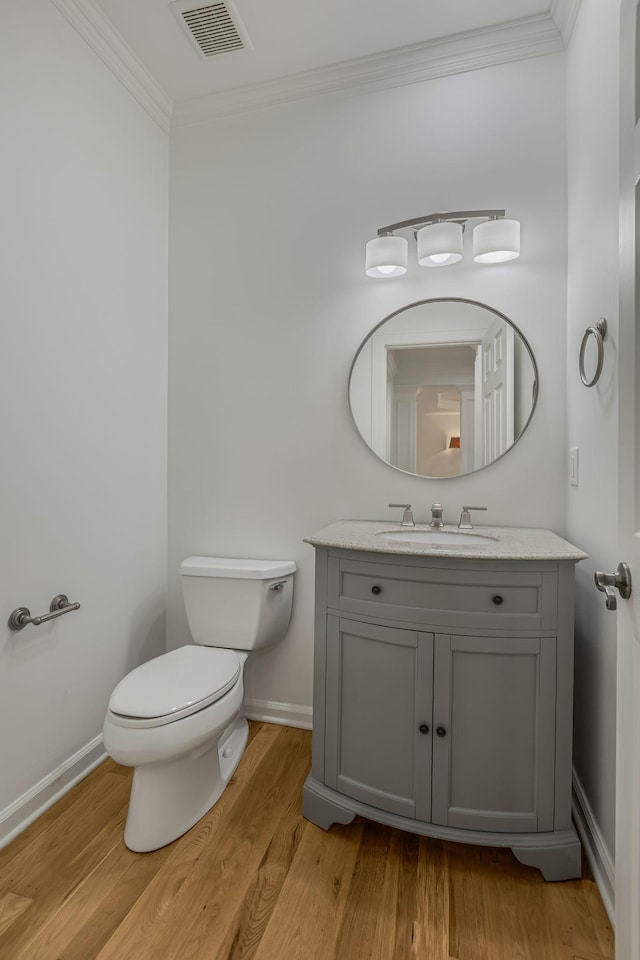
[253, 879]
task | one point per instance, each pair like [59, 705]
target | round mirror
[443, 387]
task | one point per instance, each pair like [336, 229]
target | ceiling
[293, 36]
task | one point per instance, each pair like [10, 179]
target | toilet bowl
[179, 719]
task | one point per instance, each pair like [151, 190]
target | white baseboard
[18, 815]
[270, 711]
[600, 860]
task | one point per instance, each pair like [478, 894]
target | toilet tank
[238, 604]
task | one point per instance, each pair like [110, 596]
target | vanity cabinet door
[494, 733]
[379, 683]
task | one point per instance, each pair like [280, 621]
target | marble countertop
[505, 543]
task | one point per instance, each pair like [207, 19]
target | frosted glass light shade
[439, 244]
[496, 241]
[387, 256]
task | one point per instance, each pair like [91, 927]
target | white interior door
[627, 890]
[497, 391]
[402, 428]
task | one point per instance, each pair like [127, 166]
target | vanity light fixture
[387, 256]
[454, 443]
[439, 241]
[496, 241]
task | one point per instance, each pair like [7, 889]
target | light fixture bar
[459, 215]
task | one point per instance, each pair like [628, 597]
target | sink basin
[436, 537]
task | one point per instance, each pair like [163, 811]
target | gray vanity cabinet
[442, 700]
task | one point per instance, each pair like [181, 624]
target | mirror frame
[476, 303]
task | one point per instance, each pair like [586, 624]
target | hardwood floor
[253, 879]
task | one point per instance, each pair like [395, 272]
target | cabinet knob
[441, 731]
[424, 728]
[376, 589]
[497, 599]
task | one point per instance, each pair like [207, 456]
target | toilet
[179, 719]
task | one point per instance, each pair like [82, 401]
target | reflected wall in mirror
[443, 387]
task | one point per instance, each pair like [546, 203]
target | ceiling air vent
[212, 28]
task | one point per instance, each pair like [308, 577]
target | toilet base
[169, 797]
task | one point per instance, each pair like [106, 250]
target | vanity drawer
[441, 597]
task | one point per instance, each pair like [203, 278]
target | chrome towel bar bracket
[21, 616]
[598, 332]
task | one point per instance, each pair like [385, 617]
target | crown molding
[92, 25]
[564, 13]
[517, 40]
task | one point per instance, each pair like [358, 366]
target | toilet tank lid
[237, 569]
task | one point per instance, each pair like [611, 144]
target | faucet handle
[436, 515]
[407, 516]
[464, 523]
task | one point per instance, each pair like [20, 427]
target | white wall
[269, 216]
[592, 116]
[83, 248]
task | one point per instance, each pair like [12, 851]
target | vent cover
[212, 28]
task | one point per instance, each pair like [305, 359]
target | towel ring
[599, 332]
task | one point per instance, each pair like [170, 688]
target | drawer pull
[424, 728]
[441, 731]
[497, 599]
[376, 589]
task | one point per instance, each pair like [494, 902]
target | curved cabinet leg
[563, 862]
[320, 809]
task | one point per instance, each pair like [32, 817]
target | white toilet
[179, 719]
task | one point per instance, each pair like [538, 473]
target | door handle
[620, 580]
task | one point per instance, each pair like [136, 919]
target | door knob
[620, 580]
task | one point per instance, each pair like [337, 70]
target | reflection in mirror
[443, 387]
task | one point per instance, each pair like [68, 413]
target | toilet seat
[173, 686]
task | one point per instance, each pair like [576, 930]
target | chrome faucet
[407, 516]
[464, 523]
[436, 515]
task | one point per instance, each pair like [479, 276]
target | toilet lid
[175, 685]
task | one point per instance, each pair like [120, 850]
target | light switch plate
[574, 466]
